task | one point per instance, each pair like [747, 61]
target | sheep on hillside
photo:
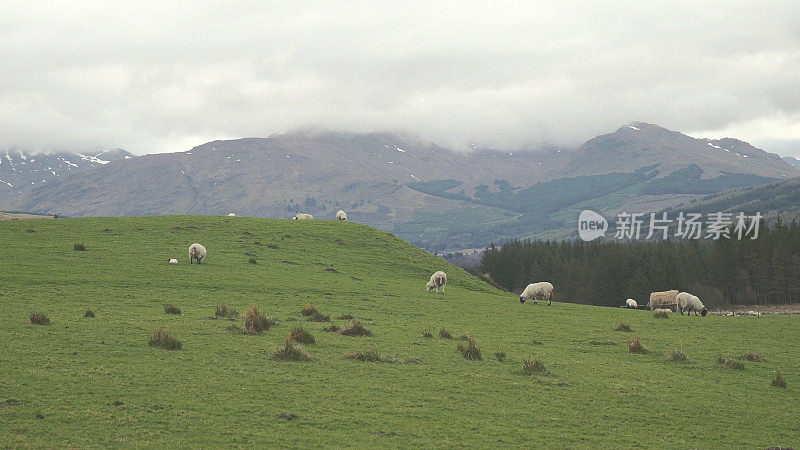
[173, 261]
[542, 289]
[341, 215]
[231, 214]
[196, 251]
[662, 299]
[631, 303]
[303, 216]
[438, 280]
[690, 303]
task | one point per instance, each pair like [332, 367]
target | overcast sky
[165, 76]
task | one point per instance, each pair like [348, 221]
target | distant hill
[21, 172]
[794, 162]
[434, 197]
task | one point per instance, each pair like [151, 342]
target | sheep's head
[522, 299]
[704, 312]
[430, 286]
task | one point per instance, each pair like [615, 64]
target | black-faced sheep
[341, 215]
[438, 280]
[303, 216]
[690, 303]
[631, 303]
[196, 251]
[541, 290]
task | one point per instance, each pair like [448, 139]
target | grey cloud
[153, 77]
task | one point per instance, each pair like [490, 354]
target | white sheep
[438, 280]
[542, 289]
[231, 214]
[173, 261]
[341, 215]
[631, 303]
[302, 216]
[196, 251]
[690, 303]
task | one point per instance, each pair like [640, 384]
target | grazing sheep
[693, 304]
[196, 251]
[231, 214]
[173, 261]
[341, 215]
[662, 299]
[662, 310]
[438, 280]
[631, 303]
[302, 216]
[542, 289]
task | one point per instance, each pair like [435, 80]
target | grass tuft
[308, 310]
[223, 311]
[171, 309]
[301, 336]
[346, 317]
[661, 315]
[427, 334]
[89, 313]
[272, 246]
[753, 356]
[252, 261]
[39, 318]
[730, 362]
[624, 327]
[291, 352]
[635, 346]
[78, 247]
[444, 334]
[500, 356]
[372, 355]
[331, 329]
[319, 317]
[254, 322]
[677, 354]
[162, 339]
[469, 349]
[355, 328]
[778, 381]
[533, 367]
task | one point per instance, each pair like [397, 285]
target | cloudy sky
[165, 76]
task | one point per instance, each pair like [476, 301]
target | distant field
[96, 381]
[18, 216]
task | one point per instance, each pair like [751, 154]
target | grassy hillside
[223, 389]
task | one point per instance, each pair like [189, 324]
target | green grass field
[223, 389]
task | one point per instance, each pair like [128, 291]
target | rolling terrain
[88, 382]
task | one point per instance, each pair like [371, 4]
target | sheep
[302, 216]
[231, 214]
[196, 251]
[661, 299]
[341, 215]
[173, 261]
[438, 280]
[541, 289]
[631, 303]
[690, 303]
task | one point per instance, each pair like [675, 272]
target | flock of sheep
[665, 300]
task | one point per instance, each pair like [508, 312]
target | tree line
[758, 271]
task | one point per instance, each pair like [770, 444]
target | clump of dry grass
[319, 317]
[624, 327]
[677, 354]
[534, 367]
[355, 328]
[301, 336]
[635, 346]
[162, 339]
[254, 322]
[308, 310]
[39, 318]
[501, 356]
[469, 349]
[753, 356]
[291, 352]
[346, 317]
[444, 334]
[171, 309]
[223, 311]
[661, 315]
[332, 329]
[78, 247]
[730, 362]
[427, 334]
[372, 355]
[778, 381]
[89, 313]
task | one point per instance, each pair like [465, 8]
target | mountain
[21, 172]
[794, 162]
[433, 197]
